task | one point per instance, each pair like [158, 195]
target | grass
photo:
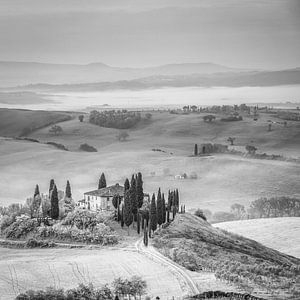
[282, 234]
[197, 245]
[23, 269]
[14, 121]
[222, 179]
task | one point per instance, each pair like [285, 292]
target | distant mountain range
[229, 79]
[24, 73]
[23, 76]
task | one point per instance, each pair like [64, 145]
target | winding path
[150, 252]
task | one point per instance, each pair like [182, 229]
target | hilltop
[195, 244]
[23, 73]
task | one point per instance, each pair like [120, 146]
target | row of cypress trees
[53, 197]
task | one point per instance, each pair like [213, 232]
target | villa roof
[109, 191]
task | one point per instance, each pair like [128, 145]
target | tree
[153, 214]
[231, 140]
[34, 205]
[80, 118]
[116, 200]
[209, 118]
[126, 185]
[238, 210]
[148, 116]
[196, 150]
[122, 136]
[128, 217]
[138, 219]
[52, 183]
[102, 182]
[139, 190]
[36, 191]
[159, 208]
[56, 129]
[145, 233]
[164, 208]
[68, 193]
[199, 213]
[269, 127]
[54, 204]
[133, 196]
[251, 149]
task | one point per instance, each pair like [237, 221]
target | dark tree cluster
[275, 207]
[148, 215]
[115, 119]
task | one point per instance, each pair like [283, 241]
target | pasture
[282, 234]
[222, 179]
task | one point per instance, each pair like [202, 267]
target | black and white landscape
[149, 149]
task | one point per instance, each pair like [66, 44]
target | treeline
[146, 215]
[273, 207]
[119, 289]
[115, 119]
[225, 295]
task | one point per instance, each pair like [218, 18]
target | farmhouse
[101, 199]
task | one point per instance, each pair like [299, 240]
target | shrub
[58, 146]
[34, 243]
[20, 228]
[86, 147]
[199, 213]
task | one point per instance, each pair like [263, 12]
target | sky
[135, 33]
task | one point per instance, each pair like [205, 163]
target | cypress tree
[102, 182]
[133, 197]
[68, 190]
[36, 191]
[145, 235]
[51, 186]
[159, 208]
[126, 185]
[122, 216]
[164, 208]
[139, 190]
[196, 150]
[54, 203]
[153, 215]
[138, 223]
[128, 218]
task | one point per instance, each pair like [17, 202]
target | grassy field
[195, 244]
[282, 234]
[37, 269]
[222, 179]
[14, 121]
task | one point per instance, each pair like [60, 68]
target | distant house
[101, 199]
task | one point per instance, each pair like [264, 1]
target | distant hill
[24, 73]
[230, 79]
[195, 244]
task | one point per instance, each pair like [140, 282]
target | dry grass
[282, 234]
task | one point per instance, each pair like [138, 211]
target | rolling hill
[282, 234]
[195, 244]
[220, 79]
[24, 73]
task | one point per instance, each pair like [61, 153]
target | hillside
[282, 234]
[14, 122]
[194, 79]
[195, 244]
[222, 179]
[23, 73]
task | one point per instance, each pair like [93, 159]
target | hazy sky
[241, 33]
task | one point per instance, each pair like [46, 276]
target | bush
[20, 228]
[199, 213]
[101, 234]
[33, 243]
[58, 146]
[87, 148]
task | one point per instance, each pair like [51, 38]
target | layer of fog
[277, 96]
